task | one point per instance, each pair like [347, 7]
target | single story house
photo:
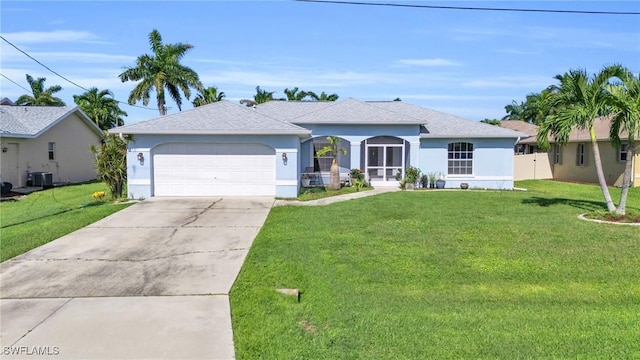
[574, 161]
[46, 139]
[226, 149]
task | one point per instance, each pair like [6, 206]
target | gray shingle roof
[222, 117]
[441, 125]
[31, 121]
[283, 117]
[288, 110]
[348, 111]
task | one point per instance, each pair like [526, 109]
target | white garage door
[197, 169]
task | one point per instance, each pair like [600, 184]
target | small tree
[111, 163]
[335, 149]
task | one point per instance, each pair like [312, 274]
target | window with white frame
[557, 154]
[460, 158]
[52, 151]
[622, 152]
[581, 155]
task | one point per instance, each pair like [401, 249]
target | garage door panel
[213, 170]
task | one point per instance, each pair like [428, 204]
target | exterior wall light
[284, 158]
[141, 158]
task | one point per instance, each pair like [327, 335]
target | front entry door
[385, 161]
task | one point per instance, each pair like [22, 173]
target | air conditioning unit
[43, 179]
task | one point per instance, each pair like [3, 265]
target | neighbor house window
[460, 158]
[581, 159]
[557, 154]
[622, 152]
[52, 151]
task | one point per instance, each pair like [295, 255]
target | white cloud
[429, 62]
[536, 82]
[33, 37]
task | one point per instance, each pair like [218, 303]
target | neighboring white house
[228, 149]
[47, 139]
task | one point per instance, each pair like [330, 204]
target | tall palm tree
[208, 96]
[625, 102]
[262, 96]
[40, 96]
[579, 101]
[295, 94]
[334, 149]
[515, 111]
[161, 72]
[323, 96]
[536, 106]
[101, 107]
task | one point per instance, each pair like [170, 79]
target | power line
[23, 88]
[64, 78]
[472, 8]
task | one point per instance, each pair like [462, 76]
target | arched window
[460, 156]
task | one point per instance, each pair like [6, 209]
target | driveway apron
[149, 282]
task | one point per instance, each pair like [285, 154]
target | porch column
[355, 155]
[414, 154]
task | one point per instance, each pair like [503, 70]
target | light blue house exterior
[225, 149]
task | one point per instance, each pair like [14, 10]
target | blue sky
[466, 63]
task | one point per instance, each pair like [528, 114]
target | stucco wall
[140, 176]
[492, 163]
[73, 161]
[613, 169]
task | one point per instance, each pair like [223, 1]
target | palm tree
[515, 111]
[262, 96]
[101, 107]
[536, 106]
[577, 103]
[161, 72]
[208, 96]
[295, 94]
[323, 96]
[335, 149]
[625, 102]
[40, 96]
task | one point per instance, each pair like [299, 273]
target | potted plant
[411, 175]
[440, 183]
[432, 179]
[306, 180]
[424, 179]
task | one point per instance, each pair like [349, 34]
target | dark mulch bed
[11, 196]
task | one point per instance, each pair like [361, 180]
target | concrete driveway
[149, 282]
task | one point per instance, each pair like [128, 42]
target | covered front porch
[382, 159]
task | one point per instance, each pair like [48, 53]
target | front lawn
[47, 215]
[436, 275]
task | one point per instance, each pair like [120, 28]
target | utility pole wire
[20, 86]
[472, 8]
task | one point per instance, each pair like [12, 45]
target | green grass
[314, 193]
[443, 275]
[46, 215]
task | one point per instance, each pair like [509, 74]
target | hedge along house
[225, 149]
